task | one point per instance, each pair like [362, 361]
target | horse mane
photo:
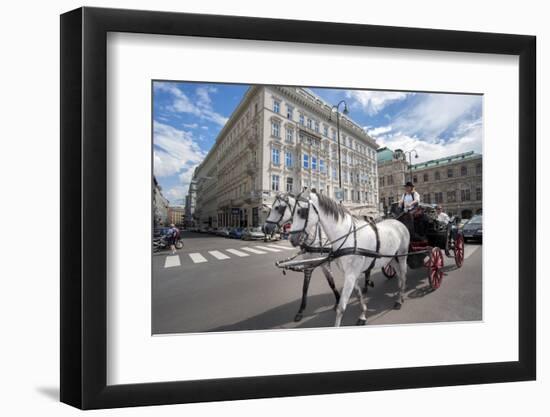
[330, 206]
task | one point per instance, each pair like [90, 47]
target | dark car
[236, 233]
[473, 229]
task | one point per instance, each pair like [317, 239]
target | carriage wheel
[435, 268]
[459, 250]
[388, 271]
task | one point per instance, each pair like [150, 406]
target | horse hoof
[361, 322]
[298, 317]
[397, 306]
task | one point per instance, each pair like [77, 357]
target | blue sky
[187, 118]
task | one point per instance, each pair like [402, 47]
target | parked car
[473, 229]
[236, 233]
[461, 223]
[222, 231]
[253, 233]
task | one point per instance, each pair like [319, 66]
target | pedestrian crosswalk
[176, 260]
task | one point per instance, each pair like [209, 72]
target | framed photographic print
[242, 195]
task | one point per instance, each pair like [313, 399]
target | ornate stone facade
[454, 182]
[282, 139]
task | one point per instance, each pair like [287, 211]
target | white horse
[349, 236]
[281, 214]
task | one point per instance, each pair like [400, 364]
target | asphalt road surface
[219, 284]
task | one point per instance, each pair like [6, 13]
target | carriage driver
[408, 202]
[410, 198]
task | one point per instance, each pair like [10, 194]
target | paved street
[218, 284]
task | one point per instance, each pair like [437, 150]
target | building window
[316, 126]
[289, 135]
[322, 165]
[381, 180]
[463, 171]
[309, 124]
[478, 169]
[415, 179]
[275, 156]
[275, 183]
[390, 179]
[289, 184]
[478, 194]
[288, 159]
[334, 173]
[438, 197]
[465, 195]
[426, 177]
[427, 198]
[305, 159]
[276, 106]
[437, 176]
[289, 112]
[275, 129]
[450, 173]
[390, 201]
[302, 120]
[325, 131]
[383, 201]
[345, 194]
[333, 134]
[314, 163]
[451, 196]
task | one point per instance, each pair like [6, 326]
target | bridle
[303, 213]
[280, 209]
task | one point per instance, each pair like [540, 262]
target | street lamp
[410, 153]
[337, 108]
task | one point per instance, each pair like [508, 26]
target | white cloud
[377, 131]
[434, 114]
[467, 137]
[177, 150]
[183, 104]
[204, 127]
[176, 194]
[373, 102]
[191, 125]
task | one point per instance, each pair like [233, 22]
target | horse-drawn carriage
[430, 238]
[401, 241]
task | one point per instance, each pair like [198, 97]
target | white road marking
[237, 252]
[197, 258]
[218, 255]
[282, 247]
[268, 248]
[171, 261]
[252, 250]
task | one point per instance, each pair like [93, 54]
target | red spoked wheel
[389, 271]
[459, 250]
[435, 268]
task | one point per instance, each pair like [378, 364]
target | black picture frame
[84, 207]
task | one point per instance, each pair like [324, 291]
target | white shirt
[409, 199]
[443, 218]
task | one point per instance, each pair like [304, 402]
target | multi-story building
[455, 182]
[283, 139]
[190, 204]
[160, 205]
[176, 215]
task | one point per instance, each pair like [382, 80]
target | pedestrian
[172, 235]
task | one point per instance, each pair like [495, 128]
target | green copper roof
[446, 160]
[384, 154]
